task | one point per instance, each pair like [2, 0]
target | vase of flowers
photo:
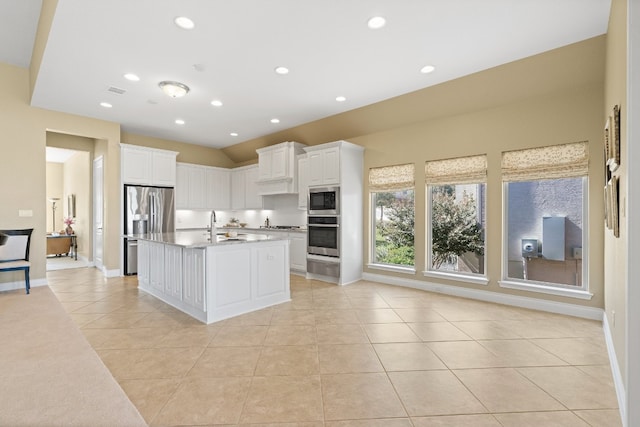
[69, 222]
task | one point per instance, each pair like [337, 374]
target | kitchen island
[212, 280]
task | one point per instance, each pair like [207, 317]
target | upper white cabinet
[148, 166]
[244, 188]
[202, 187]
[303, 181]
[278, 168]
[324, 165]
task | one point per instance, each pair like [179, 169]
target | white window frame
[571, 291]
[474, 278]
[372, 239]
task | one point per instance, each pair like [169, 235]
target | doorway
[69, 210]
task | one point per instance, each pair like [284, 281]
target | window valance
[392, 178]
[556, 161]
[461, 170]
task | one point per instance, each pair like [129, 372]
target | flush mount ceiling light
[174, 89]
[184, 23]
[427, 69]
[281, 70]
[376, 22]
[233, 134]
[105, 105]
[274, 121]
[179, 121]
[132, 77]
[340, 98]
[216, 103]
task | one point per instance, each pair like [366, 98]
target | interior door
[98, 212]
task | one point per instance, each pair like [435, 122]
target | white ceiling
[233, 50]
[59, 155]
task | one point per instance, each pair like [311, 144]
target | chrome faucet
[212, 229]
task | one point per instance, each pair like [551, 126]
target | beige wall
[23, 178]
[615, 258]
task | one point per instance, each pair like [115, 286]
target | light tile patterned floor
[366, 354]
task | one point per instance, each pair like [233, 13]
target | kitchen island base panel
[218, 281]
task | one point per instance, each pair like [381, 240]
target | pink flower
[69, 221]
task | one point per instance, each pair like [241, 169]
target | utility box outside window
[529, 248]
[553, 237]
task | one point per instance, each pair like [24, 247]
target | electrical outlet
[613, 317]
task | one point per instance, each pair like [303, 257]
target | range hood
[278, 168]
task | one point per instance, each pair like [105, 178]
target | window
[392, 216]
[545, 197]
[456, 192]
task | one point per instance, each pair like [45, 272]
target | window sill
[394, 268]
[546, 289]
[477, 280]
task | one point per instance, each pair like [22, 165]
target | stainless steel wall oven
[323, 233]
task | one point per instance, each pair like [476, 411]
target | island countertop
[200, 239]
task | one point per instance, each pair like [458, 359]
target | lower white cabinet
[217, 281]
[156, 259]
[194, 261]
[173, 272]
[298, 252]
[143, 263]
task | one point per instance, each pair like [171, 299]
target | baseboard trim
[615, 369]
[12, 286]
[111, 273]
[489, 296]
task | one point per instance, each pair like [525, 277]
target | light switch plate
[25, 212]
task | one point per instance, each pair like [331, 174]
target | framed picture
[607, 216]
[613, 125]
[615, 207]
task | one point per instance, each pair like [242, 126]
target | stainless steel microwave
[324, 201]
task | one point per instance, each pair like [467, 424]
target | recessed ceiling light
[184, 23]
[274, 121]
[179, 121]
[281, 70]
[174, 89]
[216, 103]
[132, 77]
[105, 105]
[376, 22]
[340, 98]
[233, 134]
[427, 69]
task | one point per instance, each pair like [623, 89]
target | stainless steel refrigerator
[146, 210]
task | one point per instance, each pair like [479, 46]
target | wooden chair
[14, 254]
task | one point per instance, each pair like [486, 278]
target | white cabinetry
[218, 188]
[202, 187]
[340, 163]
[298, 252]
[173, 272]
[148, 166]
[278, 168]
[194, 277]
[324, 165]
[244, 188]
[143, 263]
[303, 181]
[156, 273]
